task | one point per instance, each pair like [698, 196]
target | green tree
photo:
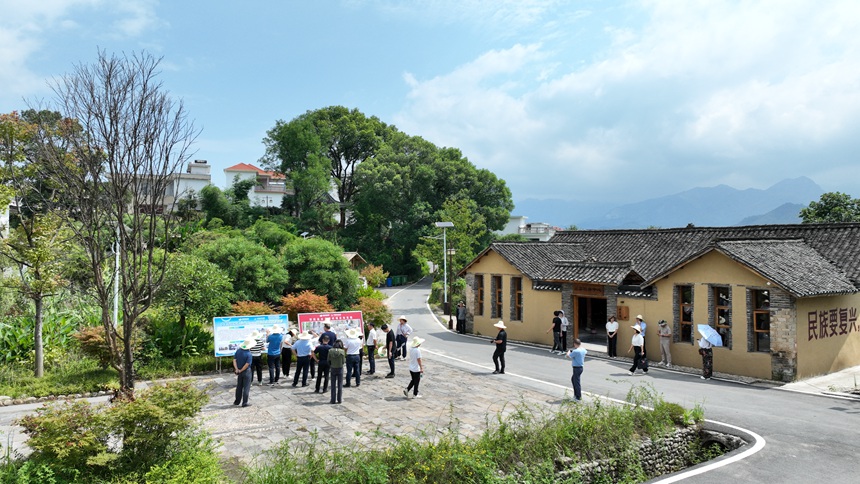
[319, 266]
[194, 287]
[294, 149]
[269, 234]
[832, 207]
[256, 273]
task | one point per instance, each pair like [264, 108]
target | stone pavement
[450, 396]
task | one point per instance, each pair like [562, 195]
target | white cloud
[699, 93]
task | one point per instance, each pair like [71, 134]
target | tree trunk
[37, 339]
[127, 376]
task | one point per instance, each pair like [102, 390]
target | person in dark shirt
[501, 343]
[242, 368]
[389, 349]
[320, 355]
[332, 337]
[556, 333]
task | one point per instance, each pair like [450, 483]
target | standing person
[556, 333]
[312, 363]
[402, 335]
[612, 337]
[332, 337]
[273, 353]
[336, 360]
[461, 317]
[637, 345]
[370, 348]
[642, 327]
[577, 361]
[257, 356]
[564, 325]
[389, 349]
[302, 348]
[320, 355]
[501, 343]
[416, 368]
[242, 368]
[287, 352]
[706, 349]
[665, 334]
[353, 357]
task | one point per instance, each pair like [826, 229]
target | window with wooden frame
[479, 299]
[722, 311]
[517, 294]
[760, 320]
[497, 297]
[685, 313]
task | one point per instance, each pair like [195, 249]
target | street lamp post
[444, 226]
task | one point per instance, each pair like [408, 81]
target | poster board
[340, 322]
[231, 331]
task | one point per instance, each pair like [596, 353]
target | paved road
[808, 437]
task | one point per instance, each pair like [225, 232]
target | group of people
[664, 332]
[324, 356]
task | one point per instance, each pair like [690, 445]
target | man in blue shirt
[242, 368]
[577, 360]
[273, 353]
[302, 348]
[332, 337]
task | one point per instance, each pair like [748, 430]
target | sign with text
[231, 331]
[340, 322]
[832, 322]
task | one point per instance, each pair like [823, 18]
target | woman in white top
[612, 337]
[416, 368]
[287, 351]
[636, 343]
[564, 325]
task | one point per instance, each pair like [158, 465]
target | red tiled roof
[248, 167]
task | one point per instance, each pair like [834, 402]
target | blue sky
[562, 99]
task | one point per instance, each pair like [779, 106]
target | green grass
[79, 374]
[526, 445]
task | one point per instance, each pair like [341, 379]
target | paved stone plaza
[283, 412]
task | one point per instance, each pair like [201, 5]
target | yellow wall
[537, 305]
[711, 269]
[817, 355]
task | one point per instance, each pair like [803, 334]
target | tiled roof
[546, 286]
[535, 259]
[246, 167]
[792, 264]
[590, 271]
[656, 251]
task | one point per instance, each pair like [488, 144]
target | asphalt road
[808, 438]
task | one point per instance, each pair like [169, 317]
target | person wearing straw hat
[637, 344]
[501, 343]
[416, 368]
[353, 356]
[257, 356]
[302, 348]
[665, 334]
[242, 367]
[287, 352]
[273, 353]
[402, 333]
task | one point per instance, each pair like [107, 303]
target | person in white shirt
[416, 368]
[565, 323]
[401, 334]
[370, 348]
[353, 357]
[636, 343]
[612, 337]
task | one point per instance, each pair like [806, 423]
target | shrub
[16, 335]
[375, 275]
[373, 311]
[370, 292]
[250, 308]
[304, 302]
[80, 442]
[167, 338]
[92, 343]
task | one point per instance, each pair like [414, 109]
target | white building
[269, 190]
[533, 231]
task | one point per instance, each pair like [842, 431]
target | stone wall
[783, 335]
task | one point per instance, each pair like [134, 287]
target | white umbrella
[710, 334]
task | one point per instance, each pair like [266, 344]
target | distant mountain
[787, 213]
[721, 205]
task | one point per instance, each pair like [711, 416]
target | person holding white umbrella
[709, 339]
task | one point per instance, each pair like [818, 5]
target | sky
[573, 100]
